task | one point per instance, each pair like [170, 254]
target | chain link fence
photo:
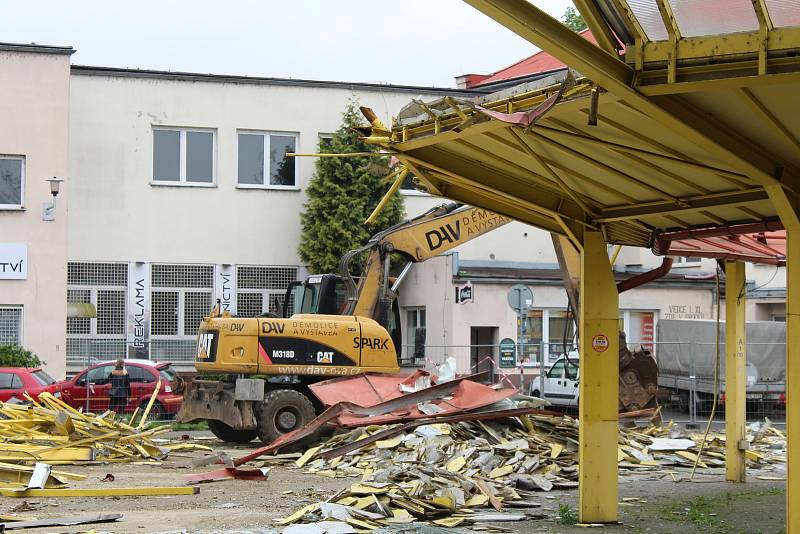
[687, 385]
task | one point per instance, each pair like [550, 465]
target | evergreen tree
[341, 195]
[573, 20]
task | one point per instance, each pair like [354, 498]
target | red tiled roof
[537, 63]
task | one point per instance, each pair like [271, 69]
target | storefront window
[532, 349]
[561, 327]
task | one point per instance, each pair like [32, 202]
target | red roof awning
[735, 242]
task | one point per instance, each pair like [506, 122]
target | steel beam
[553, 37]
[735, 371]
[733, 199]
[788, 209]
[598, 26]
[599, 384]
[769, 118]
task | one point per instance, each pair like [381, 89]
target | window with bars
[10, 325]
[261, 289]
[181, 296]
[101, 284]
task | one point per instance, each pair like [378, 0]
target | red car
[143, 377]
[15, 381]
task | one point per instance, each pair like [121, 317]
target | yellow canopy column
[788, 209]
[735, 372]
[599, 376]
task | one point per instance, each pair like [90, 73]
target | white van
[559, 384]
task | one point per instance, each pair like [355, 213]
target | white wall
[34, 99]
[119, 216]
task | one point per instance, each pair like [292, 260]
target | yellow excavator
[254, 372]
[341, 327]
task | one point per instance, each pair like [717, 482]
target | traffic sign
[520, 298]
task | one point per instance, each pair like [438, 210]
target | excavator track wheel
[282, 411]
[229, 434]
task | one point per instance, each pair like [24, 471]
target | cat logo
[324, 357]
[270, 327]
[206, 346]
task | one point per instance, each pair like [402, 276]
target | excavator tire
[229, 434]
[282, 411]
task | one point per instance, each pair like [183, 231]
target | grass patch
[566, 515]
[197, 425]
[701, 511]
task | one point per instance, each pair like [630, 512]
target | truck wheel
[229, 434]
[283, 411]
[536, 393]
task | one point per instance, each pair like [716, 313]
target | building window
[415, 320]
[104, 286]
[561, 327]
[261, 290]
[325, 142]
[531, 351]
[257, 170]
[183, 156]
[10, 325]
[686, 261]
[12, 181]
[181, 296]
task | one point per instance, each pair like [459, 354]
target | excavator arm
[436, 231]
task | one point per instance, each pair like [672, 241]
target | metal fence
[686, 373]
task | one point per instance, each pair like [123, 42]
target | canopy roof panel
[654, 131]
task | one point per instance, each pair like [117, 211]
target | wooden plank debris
[49, 430]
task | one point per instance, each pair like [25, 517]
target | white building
[182, 195]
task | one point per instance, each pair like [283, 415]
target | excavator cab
[327, 294]
[319, 293]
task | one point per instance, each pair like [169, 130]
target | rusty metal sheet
[466, 396]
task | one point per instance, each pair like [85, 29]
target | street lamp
[49, 208]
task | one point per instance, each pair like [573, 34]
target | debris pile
[49, 430]
[450, 474]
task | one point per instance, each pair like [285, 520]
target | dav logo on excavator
[270, 327]
[444, 234]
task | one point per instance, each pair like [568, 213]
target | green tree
[16, 356]
[341, 195]
[573, 20]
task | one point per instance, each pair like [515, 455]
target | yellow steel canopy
[696, 110]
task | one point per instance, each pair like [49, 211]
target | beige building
[34, 147]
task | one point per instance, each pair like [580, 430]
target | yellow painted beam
[598, 26]
[101, 492]
[735, 372]
[531, 23]
[788, 209]
[599, 386]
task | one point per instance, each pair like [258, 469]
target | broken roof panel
[670, 136]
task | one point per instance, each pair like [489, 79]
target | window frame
[21, 326]
[21, 205]
[182, 181]
[266, 134]
[679, 262]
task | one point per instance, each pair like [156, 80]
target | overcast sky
[419, 42]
